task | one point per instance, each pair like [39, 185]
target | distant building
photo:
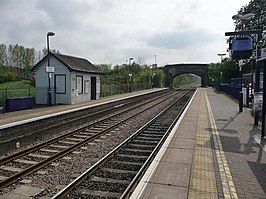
[73, 80]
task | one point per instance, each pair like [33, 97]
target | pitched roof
[73, 63]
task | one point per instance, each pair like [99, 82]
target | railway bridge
[173, 70]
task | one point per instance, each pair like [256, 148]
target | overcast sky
[112, 31]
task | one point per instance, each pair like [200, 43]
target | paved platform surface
[16, 116]
[211, 153]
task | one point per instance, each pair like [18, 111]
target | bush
[7, 77]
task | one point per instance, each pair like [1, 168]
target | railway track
[116, 175]
[55, 123]
[16, 166]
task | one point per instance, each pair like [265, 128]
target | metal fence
[106, 90]
[233, 91]
[114, 89]
[15, 93]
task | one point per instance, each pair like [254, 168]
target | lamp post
[152, 74]
[221, 55]
[247, 16]
[129, 81]
[130, 74]
[48, 70]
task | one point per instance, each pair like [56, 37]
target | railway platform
[16, 117]
[212, 152]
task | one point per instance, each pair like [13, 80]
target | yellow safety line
[226, 177]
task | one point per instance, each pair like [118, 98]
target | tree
[3, 55]
[229, 70]
[44, 51]
[144, 76]
[16, 60]
[141, 61]
[28, 61]
[257, 7]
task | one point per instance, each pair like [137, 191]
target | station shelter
[72, 80]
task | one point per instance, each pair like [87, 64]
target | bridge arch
[173, 70]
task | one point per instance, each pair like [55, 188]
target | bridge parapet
[173, 70]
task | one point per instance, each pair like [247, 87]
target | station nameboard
[49, 69]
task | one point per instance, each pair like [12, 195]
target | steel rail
[92, 169]
[51, 141]
[43, 163]
[134, 182]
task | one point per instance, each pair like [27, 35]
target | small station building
[72, 80]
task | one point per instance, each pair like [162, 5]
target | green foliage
[159, 78]
[229, 69]
[257, 7]
[16, 85]
[184, 79]
[16, 61]
[6, 75]
[140, 76]
[16, 89]
[144, 76]
[9, 77]
[225, 71]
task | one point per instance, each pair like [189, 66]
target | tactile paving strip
[202, 180]
[195, 194]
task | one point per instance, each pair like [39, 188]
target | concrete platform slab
[228, 157]
[166, 174]
[182, 143]
[178, 156]
[186, 134]
[164, 192]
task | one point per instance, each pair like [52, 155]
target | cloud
[111, 31]
[181, 39]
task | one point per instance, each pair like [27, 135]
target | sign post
[49, 70]
[241, 64]
[263, 126]
[129, 81]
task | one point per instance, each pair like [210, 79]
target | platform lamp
[221, 55]
[129, 60]
[49, 70]
[247, 16]
[153, 74]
